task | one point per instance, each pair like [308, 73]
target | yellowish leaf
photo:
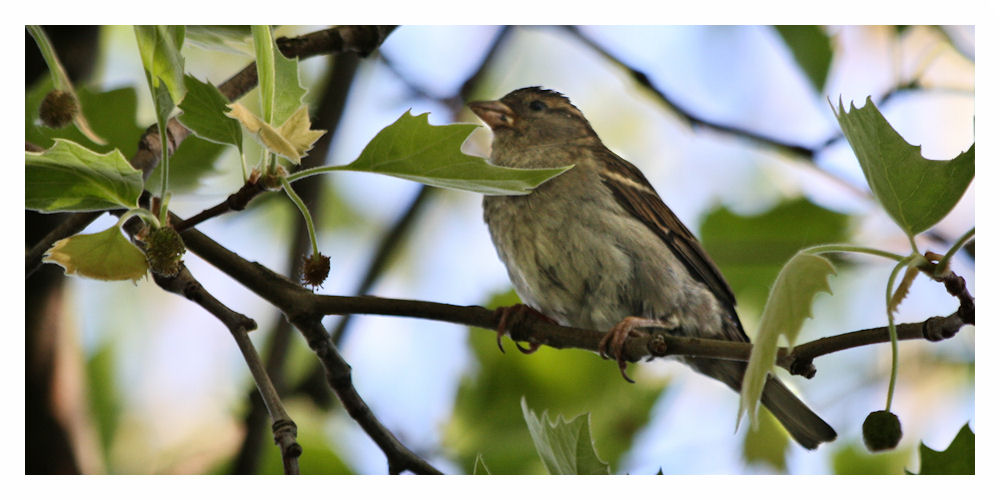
[106, 255]
[296, 131]
[291, 140]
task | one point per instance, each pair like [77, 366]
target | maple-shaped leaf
[204, 109]
[413, 149]
[292, 139]
[565, 446]
[914, 191]
[958, 458]
[788, 306]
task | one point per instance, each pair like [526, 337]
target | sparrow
[597, 248]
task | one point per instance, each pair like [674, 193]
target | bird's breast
[579, 258]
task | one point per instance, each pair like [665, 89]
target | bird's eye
[536, 105]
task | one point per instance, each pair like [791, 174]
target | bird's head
[533, 117]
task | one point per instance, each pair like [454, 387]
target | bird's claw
[532, 347]
[613, 344]
[517, 311]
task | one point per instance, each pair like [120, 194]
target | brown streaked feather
[638, 197]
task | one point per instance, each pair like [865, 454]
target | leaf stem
[943, 263]
[263, 42]
[164, 213]
[59, 78]
[161, 124]
[142, 213]
[913, 244]
[243, 163]
[840, 247]
[309, 172]
[286, 184]
[894, 342]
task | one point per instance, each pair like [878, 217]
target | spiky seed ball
[315, 269]
[164, 249]
[58, 109]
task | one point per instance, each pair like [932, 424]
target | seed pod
[164, 249]
[58, 109]
[881, 431]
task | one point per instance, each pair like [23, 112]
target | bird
[597, 248]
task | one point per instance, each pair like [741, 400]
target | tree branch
[659, 343]
[297, 303]
[284, 429]
[798, 361]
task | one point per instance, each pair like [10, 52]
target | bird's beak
[495, 113]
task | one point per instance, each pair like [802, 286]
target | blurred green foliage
[488, 420]
[750, 250]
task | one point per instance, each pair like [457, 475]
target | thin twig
[233, 203]
[338, 375]
[799, 360]
[283, 427]
[297, 303]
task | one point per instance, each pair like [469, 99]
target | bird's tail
[805, 426]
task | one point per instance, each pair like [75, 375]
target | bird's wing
[638, 197]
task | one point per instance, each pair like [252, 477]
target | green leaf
[958, 458]
[915, 191]
[204, 109]
[413, 149]
[812, 51]
[160, 49]
[767, 443]
[564, 446]
[751, 250]
[193, 160]
[164, 104]
[71, 178]
[288, 90]
[233, 39]
[487, 417]
[788, 306]
[263, 46]
[106, 255]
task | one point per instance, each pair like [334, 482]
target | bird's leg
[514, 315]
[614, 342]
